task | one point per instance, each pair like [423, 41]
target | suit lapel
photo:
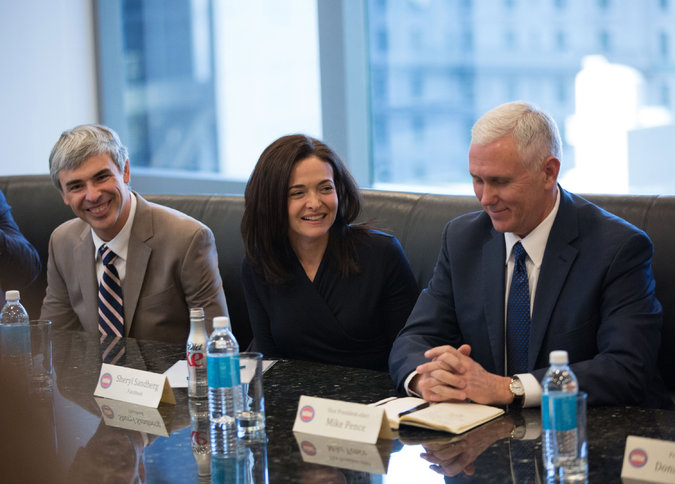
[493, 294]
[558, 259]
[138, 256]
[86, 274]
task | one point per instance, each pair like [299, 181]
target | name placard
[346, 454]
[648, 460]
[133, 386]
[130, 416]
[342, 420]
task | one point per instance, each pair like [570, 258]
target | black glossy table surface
[61, 435]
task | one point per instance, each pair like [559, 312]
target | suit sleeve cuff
[532, 390]
[408, 390]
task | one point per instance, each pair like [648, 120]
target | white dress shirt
[119, 245]
[535, 246]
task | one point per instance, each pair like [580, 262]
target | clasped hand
[452, 375]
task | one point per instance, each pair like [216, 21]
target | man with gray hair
[125, 266]
[538, 269]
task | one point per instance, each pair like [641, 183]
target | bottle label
[545, 418]
[15, 340]
[195, 355]
[564, 411]
[223, 371]
[195, 359]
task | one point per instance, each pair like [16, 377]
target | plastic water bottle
[13, 311]
[196, 355]
[560, 385]
[225, 397]
[15, 334]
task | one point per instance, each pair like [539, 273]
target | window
[202, 86]
[382, 41]
[205, 85]
[561, 86]
[560, 41]
[665, 95]
[419, 127]
[416, 43]
[597, 89]
[605, 41]
[416, 84]
[664, 49]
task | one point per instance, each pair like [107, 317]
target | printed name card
[346, 454]
[133, 386]
[133, 417]
[342, 420]
[648, 460]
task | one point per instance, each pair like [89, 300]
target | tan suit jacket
[172, 265]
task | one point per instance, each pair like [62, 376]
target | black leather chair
[415, 219]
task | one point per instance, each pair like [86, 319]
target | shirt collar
[120, 243]
[534, 243]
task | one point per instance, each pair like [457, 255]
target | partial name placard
[648, 460]
[131, 416]
[133, 386]
[342, 420]
[345, 454]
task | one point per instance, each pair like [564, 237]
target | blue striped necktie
[113, 350]
[518, 315]
[110, 305]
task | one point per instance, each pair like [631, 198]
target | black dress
[349, 321]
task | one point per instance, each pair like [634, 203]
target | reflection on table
[78, 438]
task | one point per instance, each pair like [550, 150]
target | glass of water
[571, 451]
[251, 416]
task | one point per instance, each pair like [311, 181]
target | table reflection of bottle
[199, 436]
[230, 467]
[257, 461]
[245, 463]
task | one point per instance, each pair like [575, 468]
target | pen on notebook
[382, 402]
[414, 409]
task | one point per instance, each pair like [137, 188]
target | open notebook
[449, 417]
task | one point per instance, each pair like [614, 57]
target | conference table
[72, 435]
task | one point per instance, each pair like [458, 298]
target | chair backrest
[417, 220]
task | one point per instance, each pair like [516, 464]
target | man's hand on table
[452, 375]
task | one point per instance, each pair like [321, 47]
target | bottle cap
[196, 313]
[221, 322]
[558, 357]
[12, 295]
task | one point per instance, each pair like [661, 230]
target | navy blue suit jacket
[595, 299]
[19, 261]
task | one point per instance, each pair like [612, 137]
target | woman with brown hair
[317, 286]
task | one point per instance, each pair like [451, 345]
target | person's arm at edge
[400, 292]
[19, 261]
[56, 305]
[628, 337]
[258, 316]
[431, 322]
[200, 276]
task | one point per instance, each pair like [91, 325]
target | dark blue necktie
[518, 315]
